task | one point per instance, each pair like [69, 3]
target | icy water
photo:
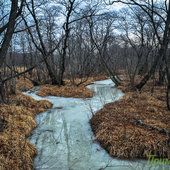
[64, 138]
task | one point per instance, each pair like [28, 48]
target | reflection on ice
[64, 138]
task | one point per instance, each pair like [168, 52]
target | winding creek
[64, 138]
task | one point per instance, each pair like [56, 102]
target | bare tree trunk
[9, 32]
[63, 58]
[167, 95]
[168, 86]
[102, 52]
[161, 52]
[151, 72]
[109, 72]
[6, 42]
[51, 73]
[161, 74]
[70, 8]
[42, 49]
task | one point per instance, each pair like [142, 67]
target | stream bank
[135, 126]
[64, 138]
[16, 124]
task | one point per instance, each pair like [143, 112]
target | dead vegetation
[17, 120]
[16, 123]
[69, 90]
[65, 91]
[23, 84]
[122, 136]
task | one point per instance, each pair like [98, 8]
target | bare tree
[138, 38]
[8, 28]
[100, 43]
[154, 10]
[70, 6]
[74, 12]
[40, 45]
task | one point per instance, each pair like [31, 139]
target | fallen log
[140, 122]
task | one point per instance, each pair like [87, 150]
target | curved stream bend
[64, 138]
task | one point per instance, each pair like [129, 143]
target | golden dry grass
[23, 84]
[87, 81]
[117, 131]
[17, 120]
[16, 123]
[65, 91]
[69, 90]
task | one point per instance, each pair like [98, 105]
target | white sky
[115, 6]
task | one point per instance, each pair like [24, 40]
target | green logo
[157, 161]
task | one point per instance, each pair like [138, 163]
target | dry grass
[69, 90]
[117, 131]
[88, 81]
[16, 123]
[65, 91]
[23, 84]
[17, 120]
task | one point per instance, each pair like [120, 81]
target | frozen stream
[64, 138]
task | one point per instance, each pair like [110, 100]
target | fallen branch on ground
[163, 131]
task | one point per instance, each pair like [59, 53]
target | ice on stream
[64, 138]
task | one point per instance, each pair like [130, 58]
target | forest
[95, 73]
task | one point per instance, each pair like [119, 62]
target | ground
[17, 120]
[122, 136]
[69, 90]
[16, 123]
[114, 125]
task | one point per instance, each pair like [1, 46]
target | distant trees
[80, 62]
[153, 27]
[159, 17]
[76, 39]
[39, 39]
[139, 41]
[51, 38]
[100, 34]
[47, 45]
[154, 12]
